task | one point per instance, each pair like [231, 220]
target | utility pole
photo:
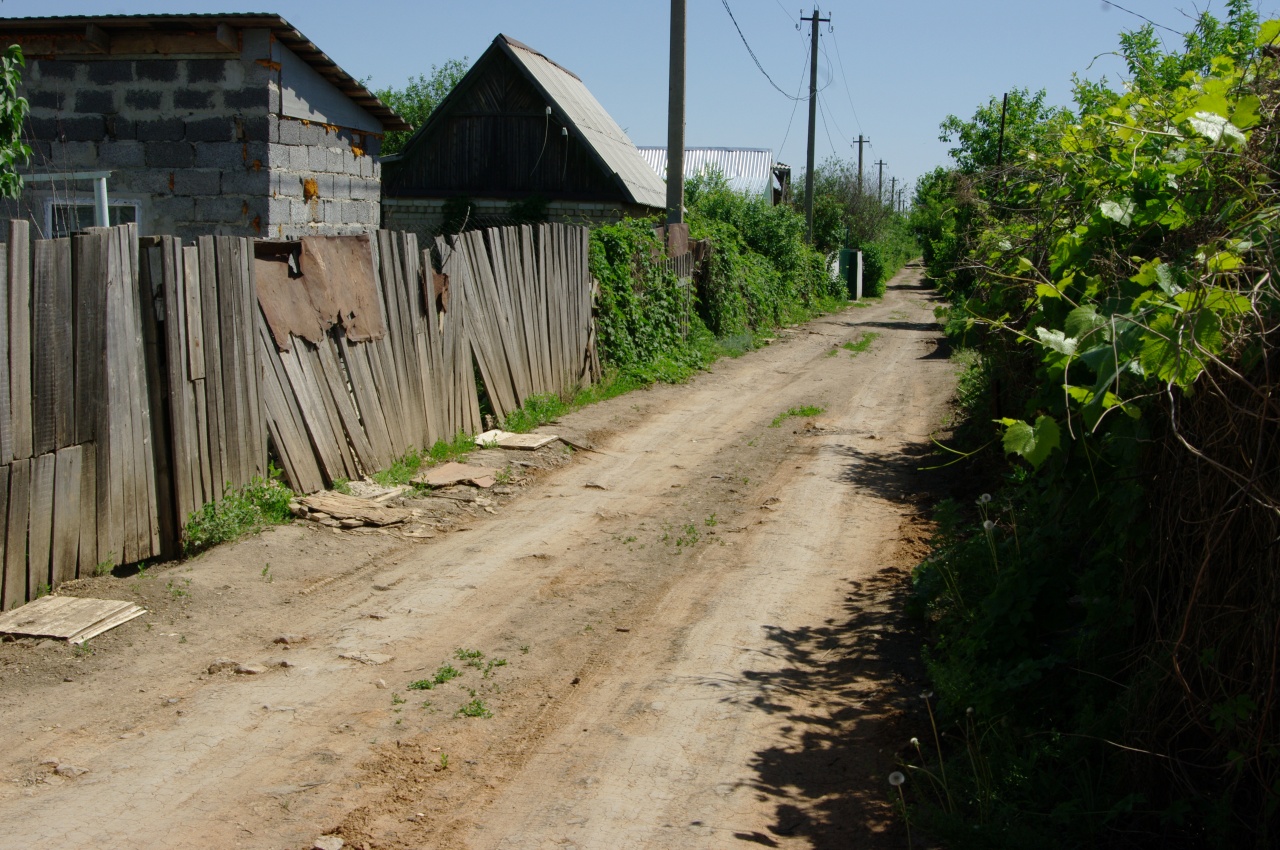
[675, 116]
[880, 184]
[893, 192]
[902, 207]
[813, 20]
[1004, 107]
[861, 141]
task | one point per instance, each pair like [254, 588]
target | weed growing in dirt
[861, 344]
[807, 410]
[524, 649]
[401, 470]
[711, 521]
[475, 708]
[833, 352]
[470, 657]
[43, 589]
[493, 662]
[442, 675]
[457, 449]
[247, 510]
[444, 761]
[342, 485]
[266, 574]
[104, 567]
[537, 410]
[396, 699]
[81, 650]
[179, 591]
[688, 537]
[504, 475]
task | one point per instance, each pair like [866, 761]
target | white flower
[915, 742]
[896, 778]
[987, 526]
[984, 498]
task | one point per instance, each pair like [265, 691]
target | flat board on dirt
[340, 506]
[447, 474]
[68, 618]
[508, 440]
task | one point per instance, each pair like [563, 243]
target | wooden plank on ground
[340, 506]
[15, 546]
[40, 535]
[87, 560]
[66, 513]
[89, 286]
[71, 618]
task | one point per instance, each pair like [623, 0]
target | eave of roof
[282, 30]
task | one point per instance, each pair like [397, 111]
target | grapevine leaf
[1034, 444]
[1057, 340]
[1120, 211]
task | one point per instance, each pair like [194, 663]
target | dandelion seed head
[927, 695]
[896, 778]
[984, 498]
[915, 742]
[988, 525]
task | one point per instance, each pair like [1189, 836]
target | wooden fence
[143, 377]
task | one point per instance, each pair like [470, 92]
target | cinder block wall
[324, 179]
[198, 144]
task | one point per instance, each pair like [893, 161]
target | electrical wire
[848, 92]
[796, 103]
[827, 129]
[725, 3]
[1144, 17]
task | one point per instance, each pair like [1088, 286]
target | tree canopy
[418, 99]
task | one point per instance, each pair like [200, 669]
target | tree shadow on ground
[849, 688]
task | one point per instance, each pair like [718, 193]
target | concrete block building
[229, 124]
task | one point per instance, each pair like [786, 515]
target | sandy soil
[691, 637]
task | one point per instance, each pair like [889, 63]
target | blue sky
[891, 70]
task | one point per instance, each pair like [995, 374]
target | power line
[848, 92]
[796, 103]
[1145, 18]
[753, 53]
[827, 129]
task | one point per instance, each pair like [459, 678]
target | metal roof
[282, 30]
[584, 114]
[748, 170]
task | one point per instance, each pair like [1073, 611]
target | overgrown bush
[1103, 623]
[247, 510]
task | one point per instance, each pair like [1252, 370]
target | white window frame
[78, 201]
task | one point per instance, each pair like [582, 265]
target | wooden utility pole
[1004, 107]
[675, 116]
[880, 184]
[813, 20]
[861, 141]
[893, 192]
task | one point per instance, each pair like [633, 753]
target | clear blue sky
[891, 70]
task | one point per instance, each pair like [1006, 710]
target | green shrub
[261, 502]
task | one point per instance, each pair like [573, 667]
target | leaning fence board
[218, 467]
[88, 291]
[20, 337]
[40, 534]
[43, 355]
[88, 555]
[285, 420]
[196, 364]
[184, 458]
[233, 396]
[146, 532]
[15, 554]
[4, 528]
[165, 519]
[66, 513]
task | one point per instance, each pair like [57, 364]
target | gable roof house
[518, 129]
[230, 124]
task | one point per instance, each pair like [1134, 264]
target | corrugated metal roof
[748, 170]
[283, 31]
[583, 113]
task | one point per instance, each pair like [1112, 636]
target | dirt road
[687, 638]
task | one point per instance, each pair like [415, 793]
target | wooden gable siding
[491, 143]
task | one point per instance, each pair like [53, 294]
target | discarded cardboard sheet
[340, 507]
[447, 474]
[70, 618]
[508, 440]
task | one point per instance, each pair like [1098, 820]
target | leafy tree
[1029, 126]
[13, 111]
[419, 97]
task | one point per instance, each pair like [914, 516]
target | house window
[64, 217]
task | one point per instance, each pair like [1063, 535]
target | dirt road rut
[688, 638]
